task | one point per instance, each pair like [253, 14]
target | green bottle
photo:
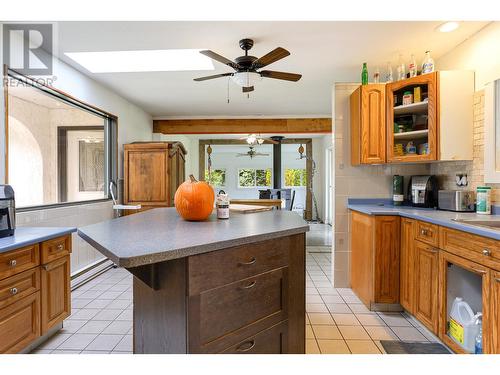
[364, 75]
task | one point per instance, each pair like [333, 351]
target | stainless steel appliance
[7, 211]
[423, 191]
[456, 200]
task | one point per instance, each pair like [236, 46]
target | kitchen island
[217, 286]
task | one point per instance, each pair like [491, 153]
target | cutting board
[248, 209]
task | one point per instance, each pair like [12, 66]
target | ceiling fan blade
[275, 55]
[247, 89]
[212, 77]
[280, 75]
[260, 154]
[219, 58]
[269, 140]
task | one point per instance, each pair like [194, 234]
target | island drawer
[218, 268]
[221, 312]
[18, 286]
[482, 250]
[426, 232]
[269, 341]
[19, 260]
[55, 248]
[20, 323]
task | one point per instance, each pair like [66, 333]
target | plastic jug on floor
[462, 324]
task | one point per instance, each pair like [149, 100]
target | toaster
[456, 200]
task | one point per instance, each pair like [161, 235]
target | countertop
[160, 234]
[444, 218]
[25, 236]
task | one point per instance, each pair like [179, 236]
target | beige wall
[364, 181]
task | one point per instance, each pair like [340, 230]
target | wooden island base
[243, 299]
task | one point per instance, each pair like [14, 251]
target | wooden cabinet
[375, 258]
[407, 266]
[33, 297]
[152, 173]
[494, 311]
[56, 292]
[426, 285]
[445, 108]
[446, 261]
[242, 299]
[368, 124]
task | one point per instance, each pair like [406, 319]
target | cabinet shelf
[410, 109]
[416, 134]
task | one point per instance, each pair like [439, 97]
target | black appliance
[7, 211]
[423, 191]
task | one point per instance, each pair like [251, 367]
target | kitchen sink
[493, 224]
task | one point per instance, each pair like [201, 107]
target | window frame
[110, 136]
[254, 178]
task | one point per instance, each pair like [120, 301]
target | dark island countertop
[25, 236]
[160, 234]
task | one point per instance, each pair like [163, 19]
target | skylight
[142, 61]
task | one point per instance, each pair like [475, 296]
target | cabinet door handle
[478, 271]
[13, 291]
[60, 247]
[241, 347]
[12, 262]
[434, 251]
[423, 232]
[251, 285]
[486, 252]
[249, 263]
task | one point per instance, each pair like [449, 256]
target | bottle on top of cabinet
[401, 68]
[412, 67]
[428, 64]
[388, 75]
[376, 76]
[364, 75]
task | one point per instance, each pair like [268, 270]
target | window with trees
[217, 177]
[295, 177]
[252, 177]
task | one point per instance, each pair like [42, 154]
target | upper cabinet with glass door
[429, 117]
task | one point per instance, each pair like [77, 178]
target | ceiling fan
[252, 153]
[247, 67]
[253, 139]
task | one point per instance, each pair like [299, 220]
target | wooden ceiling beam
[244, 126]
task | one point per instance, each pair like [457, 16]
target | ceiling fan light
[246, 79]
[260, 141]
[251, 139]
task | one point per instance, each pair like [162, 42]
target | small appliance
[423, 191]
[7, 211]
[456, 200]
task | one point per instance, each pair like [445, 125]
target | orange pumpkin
[194, 200]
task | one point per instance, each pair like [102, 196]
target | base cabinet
[407, 266]
[20, 324]
[426, 285]
[56, 298]
[34, 292]
[494, 309]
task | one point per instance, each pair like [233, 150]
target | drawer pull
[12, 262]
[434, 251]
[486, 252]
[13, 291]
[249, 346]
[60, 247]
[251, 285]
[424, 232]
[478, 271]
[252, 261]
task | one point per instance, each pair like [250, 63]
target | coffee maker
[423, 191]
[7, 211]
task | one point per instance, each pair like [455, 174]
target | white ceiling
[323, 52]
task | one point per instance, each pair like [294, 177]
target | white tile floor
[336, 322]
